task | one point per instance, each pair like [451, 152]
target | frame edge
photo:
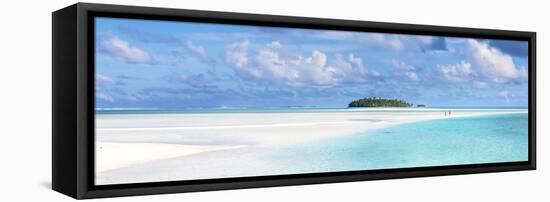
[64, 145]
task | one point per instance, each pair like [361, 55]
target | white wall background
[25, 89]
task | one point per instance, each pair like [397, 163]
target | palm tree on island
[379, 102]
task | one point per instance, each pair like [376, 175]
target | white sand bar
[127, 141]
[117, 155]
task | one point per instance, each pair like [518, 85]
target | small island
[379, 102]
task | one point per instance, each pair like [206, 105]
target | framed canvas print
[153, 100]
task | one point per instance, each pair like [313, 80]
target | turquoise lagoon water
[453, 141]
[450, 141]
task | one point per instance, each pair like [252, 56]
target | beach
[149, 147]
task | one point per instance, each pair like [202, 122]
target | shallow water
[466, 140]
[449, 141]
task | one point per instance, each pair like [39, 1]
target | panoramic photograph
[188, 101]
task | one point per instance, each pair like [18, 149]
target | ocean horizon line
[292, 109]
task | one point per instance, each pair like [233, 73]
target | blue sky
[162, 64]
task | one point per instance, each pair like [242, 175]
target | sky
[168, 65]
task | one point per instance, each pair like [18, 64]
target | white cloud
[492, 63]
[272, 64]
[200, 52]
[386, 40]
[102, 80]
[123, 50]
[480, 85]
[104, 95]
[236, 54]
[108, 89]
[483, 65]
[397, 42]
[506, 95]
[412, 76]
[102, 87]
[402, 68]
[334, 35]
[350, 69]
[391, 41]
[523, 73]
[459, 72]
[274, 44]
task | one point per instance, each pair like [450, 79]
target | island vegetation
[379, 102]
[420, 105]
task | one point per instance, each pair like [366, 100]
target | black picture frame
[73, 100]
